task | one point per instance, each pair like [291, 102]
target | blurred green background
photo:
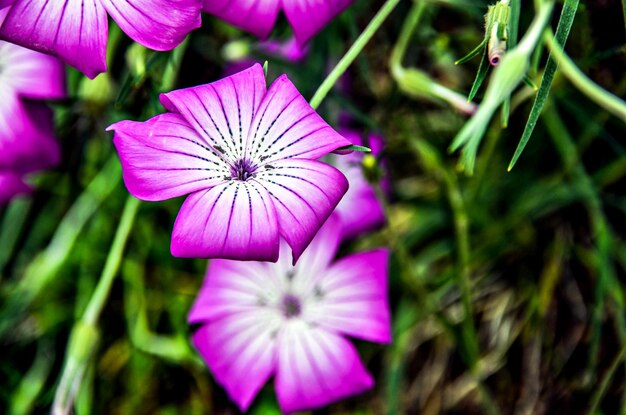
[507, 288]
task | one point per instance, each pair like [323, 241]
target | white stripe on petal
[240, 350]
[236, 220]
[316, 367]
[222, 112]
[286, 126]
[31, 74]
[164, 158]
[305, 192]
[353, 298]
[232, 286]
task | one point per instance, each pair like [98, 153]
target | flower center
[242, 170]
[290, 306]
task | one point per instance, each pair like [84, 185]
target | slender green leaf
[480, 76]
[565, 24]
[355, 148]
[473, 53]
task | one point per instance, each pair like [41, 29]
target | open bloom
[247, 156]
[76, 30]
[27, 140]
[259, 319]
[360, 210]
[307, 17]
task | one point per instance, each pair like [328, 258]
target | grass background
[537, 255]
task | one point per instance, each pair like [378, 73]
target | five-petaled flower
[27, 141]
[247, 156]
[307, 17]
[76, 30]
[259, 319]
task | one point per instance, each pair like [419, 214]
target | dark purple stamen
[242, 170]
[291, 306]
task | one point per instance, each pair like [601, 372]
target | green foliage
[507, 288]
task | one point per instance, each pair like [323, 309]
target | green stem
[411, 21]
[417, 83]
[433, 162]
[353, 52]
[85, 333]
[461, 226]
[593, 91]
[101, 293]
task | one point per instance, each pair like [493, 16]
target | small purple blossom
[289, 49]
[76, 30]
[307, 17]
[259, 320]
[360, 210]
[247, 156]
[27, 141]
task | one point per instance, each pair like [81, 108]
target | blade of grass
[12, 223]
[353, 52]
[601, 228]
[606, 380]
[483, 68]
[562, 32]
[473, 53]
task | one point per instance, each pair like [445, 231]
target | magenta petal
[11, 185]
[31, 74]
[235, 220]
[354, 298]
[305, 192]
[315, 368]
[27, 140]
[360, 209]
[240, 351]
[289, 49]
[74, 30]
[322, 251]
[164, 158]
[231, 287]
[307, 17]
[287, 127]
[221, 112]
[156, 24]
[254, 16]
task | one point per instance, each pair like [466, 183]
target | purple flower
[307, 17]
[359, 210]
[247, 156]
[76, 30]
[289, 50]
[260, 319]
[27, 140]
